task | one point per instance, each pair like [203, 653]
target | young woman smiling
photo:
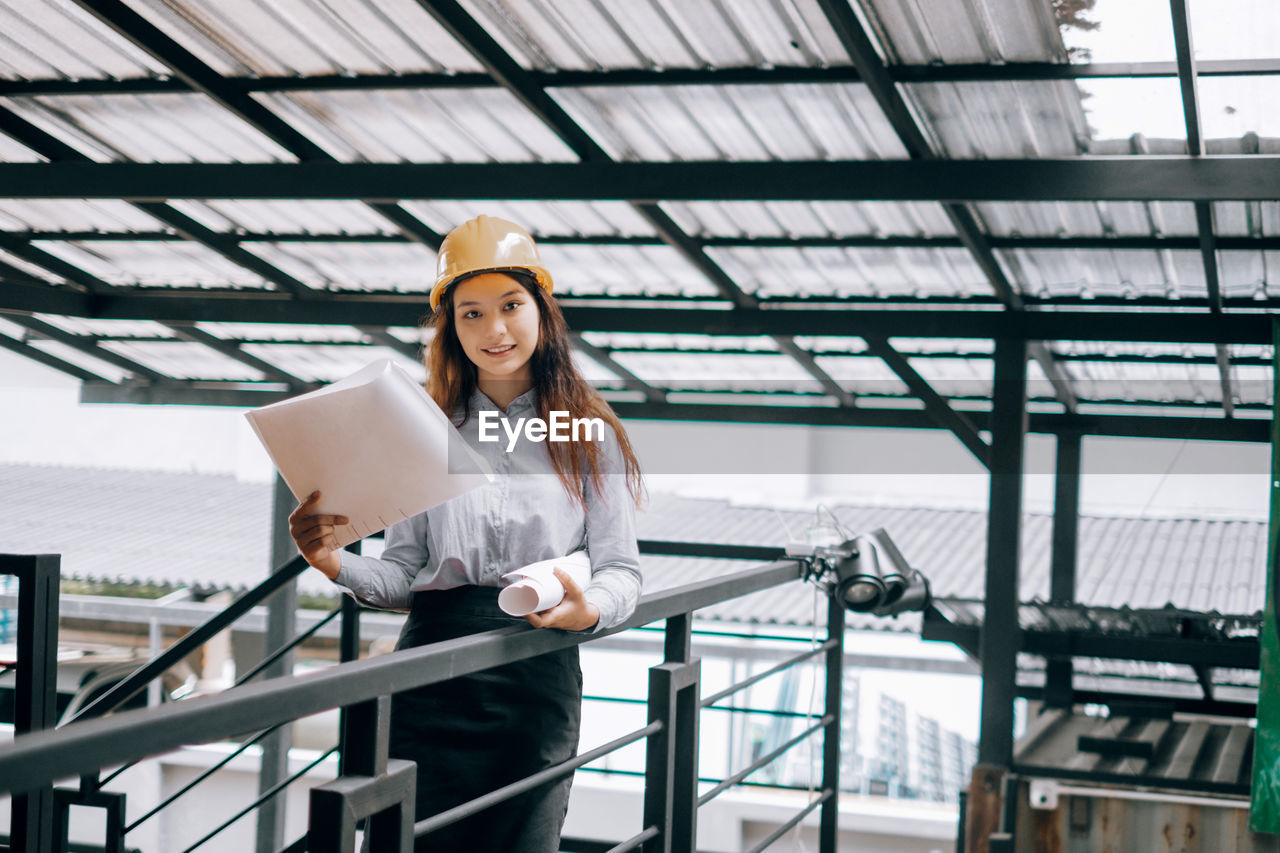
[500, 344]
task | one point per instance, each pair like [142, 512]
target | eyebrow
[515, 292]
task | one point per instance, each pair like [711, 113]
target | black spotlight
[872, 576]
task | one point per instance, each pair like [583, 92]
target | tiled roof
[209, 531]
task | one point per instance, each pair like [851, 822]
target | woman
[500, 344]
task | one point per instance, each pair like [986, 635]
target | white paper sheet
[535, 587]
[375, 444]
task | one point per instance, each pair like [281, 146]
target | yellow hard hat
[486, 244]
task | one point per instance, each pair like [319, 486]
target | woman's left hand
[573, 613]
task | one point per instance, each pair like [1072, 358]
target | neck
[503, 391]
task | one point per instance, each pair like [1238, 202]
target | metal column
[36, 697]
[1062, 581]
[1000, 635]
[282, 624]
[671, 758]
[828, 823]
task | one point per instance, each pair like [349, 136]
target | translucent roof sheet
[749, 122]
[71, 355]
[112, 328]
[1155, 381]
[55, 39]
[862, 374]
[1129, 350]
[1247, 219]
[153, 264]
[719, 371]
[1249, 274]
[638, 340]
[957, 377]
[12, 151]
[1253, 384]
[965, 31]
[30, 269]
[1235, 29]
[593, 371]
[831, 344]
[658, 34]
[287, 217]
[612, 270]
[853, 272]
[1118, 107]
[966, 346]
[282, 332]
[164, 128]
[541, 218]
[1018, 119]
[184, 360]
[1234, 106]
[288, 37]
[810, 218]
[1106, 272]
[1089, 218]
[407, 267]
[328, 364]
[419, 125]
[73, 215]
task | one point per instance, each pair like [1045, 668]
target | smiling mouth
[499, 350]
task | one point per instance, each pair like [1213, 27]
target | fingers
[303, 509]
[571, 589]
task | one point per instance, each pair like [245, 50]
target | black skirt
[475, 733]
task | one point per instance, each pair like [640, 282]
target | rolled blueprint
[535, 587]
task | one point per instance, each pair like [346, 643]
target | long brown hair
[452, 379]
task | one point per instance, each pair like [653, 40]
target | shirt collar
[480, 400]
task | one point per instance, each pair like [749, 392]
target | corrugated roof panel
[29, 268]
[184, 360]
[73, 215]
[593, 371]
[1147, 382]
[810, 219]
[647, 340]
[1003, 119]
[1089, 218]
[956, 377]
[56, 39]
[412, 334]
[165, 128]
[613, 270]
[959, 346]
[1129, 350]
[1249, 274]
[307, 37]
[1246, 218]
[408, 267]
[12, 151]
[853, 272]
[109, 328]
[148, 263]
[282, 332]
[592, 34]
[1230, 107]
[541, 218]
[318, 363]
[286, 217]
[1253, 384]
[420, 125]
[965, 31]
[831, 344]
[720, 371]
[105, 369]
[863, 375]
[1106, 272]
[749, 122]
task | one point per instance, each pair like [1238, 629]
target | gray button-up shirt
[522, 517]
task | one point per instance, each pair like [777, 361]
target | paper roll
[534, 588]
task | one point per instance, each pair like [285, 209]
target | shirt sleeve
[611, 541]
[383, 582]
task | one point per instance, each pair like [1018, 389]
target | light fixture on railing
[868, 574]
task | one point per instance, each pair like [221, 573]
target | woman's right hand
[315, 536]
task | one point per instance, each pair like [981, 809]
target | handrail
[36, 759]
[124, 690]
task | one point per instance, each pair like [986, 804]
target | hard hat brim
[540, 275]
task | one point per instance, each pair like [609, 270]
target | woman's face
[497, 324]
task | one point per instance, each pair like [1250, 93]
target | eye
[516, 303]
[470, 314]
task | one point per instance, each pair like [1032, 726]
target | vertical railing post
[31, 823]
[348, 650]
[671, 758]
[1058, 690]
[830, 814]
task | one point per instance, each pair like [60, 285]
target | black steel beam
[1062, 564]
[1004, 537]
[75, 276]
[751, 75]
[934, 403]
[53, 333]
[787, 344]
[41, 357]
[405, 310]
[1245, 177]
[629, 379]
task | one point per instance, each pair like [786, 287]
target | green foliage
[1071, 13]
[116, 590]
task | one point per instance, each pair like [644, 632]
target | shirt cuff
[605, 604]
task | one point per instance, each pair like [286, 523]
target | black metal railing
[368, 777]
